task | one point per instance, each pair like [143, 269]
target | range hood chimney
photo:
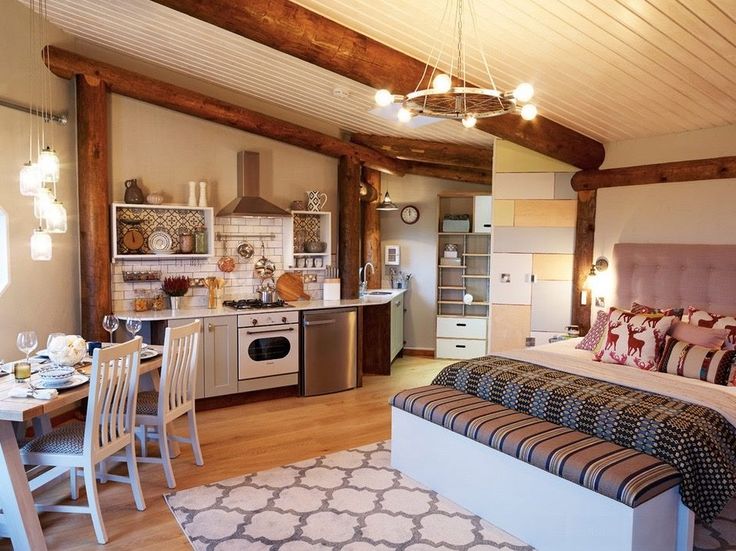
[249, 202]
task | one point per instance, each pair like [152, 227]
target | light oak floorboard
[235, 441]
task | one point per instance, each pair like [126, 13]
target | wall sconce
[593, 284]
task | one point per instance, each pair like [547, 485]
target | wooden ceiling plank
[445, 172]
[67, 64]
[297, 31]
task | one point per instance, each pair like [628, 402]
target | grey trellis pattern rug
[352, 501]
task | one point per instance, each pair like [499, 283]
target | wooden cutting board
[290, 286]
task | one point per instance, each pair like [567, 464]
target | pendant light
[387, 204]
[30, 179]
[41, 246]
[55, 218]
[41, 202]
[48, 163]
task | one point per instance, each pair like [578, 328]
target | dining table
[19, 520]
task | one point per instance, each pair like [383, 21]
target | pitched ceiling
[610, 69]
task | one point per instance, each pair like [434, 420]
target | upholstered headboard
[664, 276]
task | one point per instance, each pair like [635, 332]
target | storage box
[450, 262]
[456, 225]
[449, 254]
[331, 289]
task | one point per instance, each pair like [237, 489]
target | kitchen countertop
[187, 313]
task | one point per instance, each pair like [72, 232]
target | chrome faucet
[363, 278]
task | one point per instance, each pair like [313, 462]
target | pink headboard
[664, 276]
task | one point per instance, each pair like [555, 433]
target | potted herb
[175, 287]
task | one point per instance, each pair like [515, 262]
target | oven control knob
[254, 321]
[283, 319]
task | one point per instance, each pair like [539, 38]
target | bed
[537, 497]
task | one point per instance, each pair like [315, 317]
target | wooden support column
[94, 201]
[348, 191]
[583, 260]
[371, 224]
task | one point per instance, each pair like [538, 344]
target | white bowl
[56, 375]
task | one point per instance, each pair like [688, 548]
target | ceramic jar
[133, 194]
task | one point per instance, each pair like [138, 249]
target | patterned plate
[77, 380]
[148, 353]
[160, 241]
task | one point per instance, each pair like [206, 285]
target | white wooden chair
[174, 398]
[107, 430]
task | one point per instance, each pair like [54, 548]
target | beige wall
[43, 296]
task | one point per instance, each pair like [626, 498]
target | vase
[202, 194]
[175, 303]
[133, 194]
[192, 201]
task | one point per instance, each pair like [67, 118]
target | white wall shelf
[306, 225]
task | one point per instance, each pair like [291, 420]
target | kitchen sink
[380, 293]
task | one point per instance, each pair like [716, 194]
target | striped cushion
[67, 439]
[625, 475]
[697, 362]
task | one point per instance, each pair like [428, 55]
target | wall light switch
[505, 278]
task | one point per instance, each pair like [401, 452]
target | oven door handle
[286, 330]
[322, 322]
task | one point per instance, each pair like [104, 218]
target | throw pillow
[596, 332]
[701, 318]
[697, 362]
[702, 336]
[634, 339]
[644, 309]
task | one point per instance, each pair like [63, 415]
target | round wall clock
[133, 239]
[410, 214]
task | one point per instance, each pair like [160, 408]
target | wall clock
[410, 214]
[133, 239]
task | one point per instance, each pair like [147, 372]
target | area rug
[352, 501]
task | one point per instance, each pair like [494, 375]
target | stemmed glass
[27, 342]
[52, 336]
[133, 325]
[110, 323]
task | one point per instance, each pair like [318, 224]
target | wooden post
[371, 223]
[348, 191]
[583, 259]
[94, 201]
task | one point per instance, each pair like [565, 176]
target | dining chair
[108, 429]
[174, 398]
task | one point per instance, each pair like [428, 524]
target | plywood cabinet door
[199, 390]
[397, 325]
[220, 356]
[511, 278]
[482, 213]
[551, 305]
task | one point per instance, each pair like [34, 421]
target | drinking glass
[52, 336]
[110, 323]
[133, 325]
[27, 342]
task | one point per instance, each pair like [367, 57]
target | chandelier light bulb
[30, 179]
[528, 112]
[56, 219]
[383, 98]
[48, 163]
[442, 83]
[524, 92]
[469, 121]
[41, 245]
[404, 115]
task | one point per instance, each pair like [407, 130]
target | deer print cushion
[697, 362]
[632, 339]
[644, 309]
[701, 318]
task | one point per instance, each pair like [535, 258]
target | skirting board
[544, 510]
[419, 352]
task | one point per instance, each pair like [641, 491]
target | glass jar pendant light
[42, 201]
[41, 245]
[48, 163]
[55, 218]
[30, 179]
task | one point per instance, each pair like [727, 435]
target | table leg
[153, 382]
[21, 518]
[41, 425]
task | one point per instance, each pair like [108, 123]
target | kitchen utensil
[133, 194]
[290, 286]
[160, 242]
[214, 286]
[264, 268]
[226, 263]
[186, 242]
[75, 380]
[267, 292]
[313, 247]
[246, 250]
[56, 376]
[316, 200]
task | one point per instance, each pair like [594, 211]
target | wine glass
[27, 342]
[52, 336]
[110, 324]
[133, 325]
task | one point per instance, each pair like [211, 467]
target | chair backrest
[179, 366]
[113, 394]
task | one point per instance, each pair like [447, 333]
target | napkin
[41, 394]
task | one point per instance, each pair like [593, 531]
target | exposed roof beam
[429, 152]
[679, 171]
[66, 64]
[455, 173]
[294, 30]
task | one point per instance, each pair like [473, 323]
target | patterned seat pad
[147, 403]
[67, 439]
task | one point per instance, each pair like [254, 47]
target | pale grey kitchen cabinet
[200, 355]
[397, 325]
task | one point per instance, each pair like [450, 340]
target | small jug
[133, 194]
[316, 200]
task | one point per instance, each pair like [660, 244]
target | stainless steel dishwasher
[329, 351]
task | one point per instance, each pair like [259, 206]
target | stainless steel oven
[268, 344]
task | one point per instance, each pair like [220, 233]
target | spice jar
[200, 240]
[141, 302]
[157, 302]
[186, 242]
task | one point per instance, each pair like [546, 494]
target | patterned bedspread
[699, 442]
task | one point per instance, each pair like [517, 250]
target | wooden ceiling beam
[445, 172]
[293, 29]
[66, 64]
[429, 152]
[679, 171]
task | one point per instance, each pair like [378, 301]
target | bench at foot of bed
[466, 449]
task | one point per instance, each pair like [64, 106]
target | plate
[77, 380]
[148, 353]
[160, 241]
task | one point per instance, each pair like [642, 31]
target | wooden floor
[235, 441]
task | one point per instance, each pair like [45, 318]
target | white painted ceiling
[610, 69]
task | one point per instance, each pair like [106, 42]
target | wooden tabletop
[23, 409]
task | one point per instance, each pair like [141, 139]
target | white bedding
[564, 357]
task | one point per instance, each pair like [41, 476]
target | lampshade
[387, 203]
[56, 219]
[590, 279]
[41, 245]
[30, 179]
[48, 163]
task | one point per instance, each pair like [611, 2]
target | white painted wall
[418, 244]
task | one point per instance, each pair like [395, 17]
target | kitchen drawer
[460, 349]
[465, 328]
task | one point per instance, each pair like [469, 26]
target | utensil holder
[331, 289]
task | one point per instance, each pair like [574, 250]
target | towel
[40, 394]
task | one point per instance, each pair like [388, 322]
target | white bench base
[542, 509]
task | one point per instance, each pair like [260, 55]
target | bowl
[315, 247]
[56, 375]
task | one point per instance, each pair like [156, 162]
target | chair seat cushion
[147, 403]
[67, 439]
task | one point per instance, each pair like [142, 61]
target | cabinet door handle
[461, 324]
[322, 322]
[486, 225]
[459, 346]
[210, 327]
[284, 330]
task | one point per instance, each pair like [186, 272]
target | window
[4, 252]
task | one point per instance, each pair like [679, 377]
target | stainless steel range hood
[249, 202]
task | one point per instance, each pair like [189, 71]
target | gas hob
[254, 304]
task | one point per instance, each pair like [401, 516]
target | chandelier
[459, 100]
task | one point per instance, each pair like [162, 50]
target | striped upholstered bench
[623, 474]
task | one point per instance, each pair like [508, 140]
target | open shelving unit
[302, 226]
